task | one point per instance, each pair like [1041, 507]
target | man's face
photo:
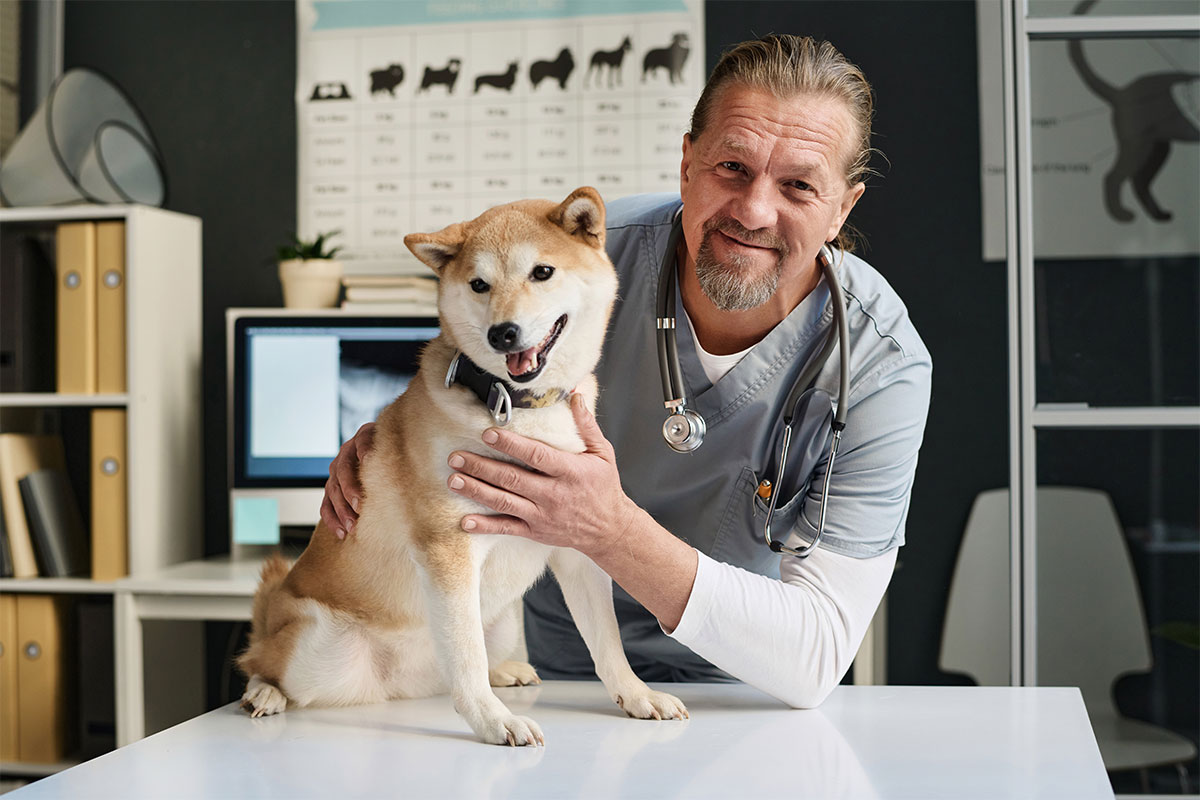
[763, 188]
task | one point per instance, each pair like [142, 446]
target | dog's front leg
[588, 592]
[452, 589]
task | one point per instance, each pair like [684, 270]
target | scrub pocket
[740, 539]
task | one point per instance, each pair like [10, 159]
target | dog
[560, 68]
[504, 80]
[386, 80]
[612, 59]
[330, 90]
[670, 58]
[411, 605]
[445, 76]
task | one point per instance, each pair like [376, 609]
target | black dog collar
[498, 395]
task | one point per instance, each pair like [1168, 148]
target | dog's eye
[479, 286]
[542, 272]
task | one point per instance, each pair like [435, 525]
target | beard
[732, 284]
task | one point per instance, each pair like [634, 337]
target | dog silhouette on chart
[330, 90]
[446, 76]
[670, 58]
[386, 80]
[1146, 120]
[610, 60]
[504, 80]
[559, 69]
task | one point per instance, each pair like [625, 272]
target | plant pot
[310, 283]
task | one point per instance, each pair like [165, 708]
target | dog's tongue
[522, 362]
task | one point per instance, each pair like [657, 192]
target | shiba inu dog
[411, 605]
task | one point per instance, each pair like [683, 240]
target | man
[772, 166]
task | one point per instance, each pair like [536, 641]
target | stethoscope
[684, 429]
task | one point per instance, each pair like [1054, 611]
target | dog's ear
[437, 249]
[582, 215]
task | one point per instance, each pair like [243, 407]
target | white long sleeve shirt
[827, 599]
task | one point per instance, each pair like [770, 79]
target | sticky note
[255, 520]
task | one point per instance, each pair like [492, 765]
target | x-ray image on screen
[371, 375]
[305, 385]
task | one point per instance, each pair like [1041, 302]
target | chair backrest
[975, 633]
[1091, 624]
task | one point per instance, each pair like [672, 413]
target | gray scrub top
[707, 497]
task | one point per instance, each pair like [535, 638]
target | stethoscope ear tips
[684, 430]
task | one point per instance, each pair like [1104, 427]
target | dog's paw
[513, 673]
[263, 699]
[649, 704]
[513, 731]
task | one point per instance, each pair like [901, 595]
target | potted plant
[311, 276]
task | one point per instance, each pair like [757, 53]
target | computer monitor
[300, 384]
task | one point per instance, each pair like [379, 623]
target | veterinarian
[772, 166]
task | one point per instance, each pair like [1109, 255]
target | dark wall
[215, 83]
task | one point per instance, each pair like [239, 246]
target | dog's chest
[553, 426]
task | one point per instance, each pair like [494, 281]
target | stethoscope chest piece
[684, 430]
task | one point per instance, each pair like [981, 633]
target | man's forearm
[653, 565]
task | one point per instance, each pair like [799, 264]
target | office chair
[1091, 627]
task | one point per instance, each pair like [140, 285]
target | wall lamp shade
[86, 143]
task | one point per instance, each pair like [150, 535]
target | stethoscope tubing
[841, 329]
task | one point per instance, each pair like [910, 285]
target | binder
[110, 307]
[9, 746]
[60, 541]
[43, 692]
[76, 270]
[27, 312]
[21, 454]
[110, 543]
[95, 676]
[6, 565]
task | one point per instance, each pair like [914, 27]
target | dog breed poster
[415, 115]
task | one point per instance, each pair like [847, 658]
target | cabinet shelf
[55, 400]
[159, 508]
[55, 586]
[22, 769]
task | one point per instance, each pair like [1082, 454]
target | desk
[864, 742]
[212, 589]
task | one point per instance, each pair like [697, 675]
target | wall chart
[416, 114]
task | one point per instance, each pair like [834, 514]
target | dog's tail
[274, 570]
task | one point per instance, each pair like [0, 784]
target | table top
[220, 575]
[863, 742]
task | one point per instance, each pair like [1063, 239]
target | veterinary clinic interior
[230, 232]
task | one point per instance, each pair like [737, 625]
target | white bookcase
[164, 455]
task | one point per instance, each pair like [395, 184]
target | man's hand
[564, 499]
[343, 492]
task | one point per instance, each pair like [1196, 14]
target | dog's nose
[503, 337]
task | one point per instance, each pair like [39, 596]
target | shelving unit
[164, 454]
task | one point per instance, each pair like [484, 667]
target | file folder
[9, 745]
[42, 687]
[110, 307]
[76, 270]
[110, 542]
[21, 454]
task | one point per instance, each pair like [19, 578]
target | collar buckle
[499, 403]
